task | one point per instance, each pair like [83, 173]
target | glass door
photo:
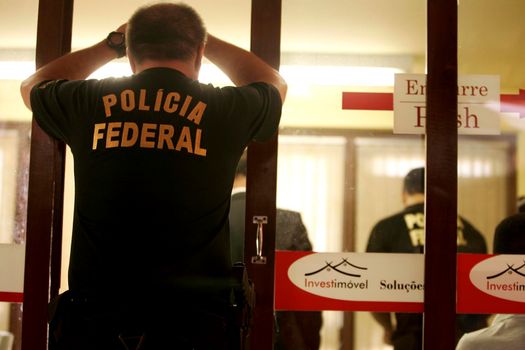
[340, 165]
[17, 61]
[488, 34]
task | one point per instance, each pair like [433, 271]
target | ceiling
[491, 32]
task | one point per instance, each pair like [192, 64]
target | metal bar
[441, 176]
[262, 181]
[46, 187]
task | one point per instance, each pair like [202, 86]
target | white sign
[12, 267]
[478, 104]
[501, 276]
[361, 276]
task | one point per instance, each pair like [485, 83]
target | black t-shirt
[403, 232]
[154, 160]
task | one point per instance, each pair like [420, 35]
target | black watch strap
[117, 41]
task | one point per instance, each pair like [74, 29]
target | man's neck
[186, 68]
[412, 199]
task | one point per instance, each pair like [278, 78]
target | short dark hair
[509, 236]
[165, 31]
[414, 181]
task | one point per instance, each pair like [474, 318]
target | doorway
[343, 181]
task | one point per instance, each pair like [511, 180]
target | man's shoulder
[291, 232]
[468, 226]
[393, 218]
[287, 213]
[288, 217]
[471, 341]
[487, 338]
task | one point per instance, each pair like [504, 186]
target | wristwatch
[117, 41]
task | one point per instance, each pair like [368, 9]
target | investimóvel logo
[502, 276]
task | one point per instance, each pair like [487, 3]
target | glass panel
[17, 52]
[490, 168]
[342, 169]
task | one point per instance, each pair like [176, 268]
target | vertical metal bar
[46, 187]
[347, 334]
[441, 176]
[262, 181]
[512, 179]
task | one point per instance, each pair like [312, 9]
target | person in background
[155, 155]
[404, 232]
[506, 331]
[294, 329]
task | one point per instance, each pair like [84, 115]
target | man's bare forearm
[242, 66]
[72, 66]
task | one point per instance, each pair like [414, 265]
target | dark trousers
[408, 341]
[84, 324]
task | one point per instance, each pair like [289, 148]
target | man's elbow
[25, 91]
[282, 86]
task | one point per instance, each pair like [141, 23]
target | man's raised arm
[72, 66]
[241, 66]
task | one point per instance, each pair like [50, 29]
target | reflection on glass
[16, 63]
[342, 169]
[315, 164]
[491, 175]
[18, 30]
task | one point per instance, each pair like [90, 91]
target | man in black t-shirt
[154, 160]
[404, 232]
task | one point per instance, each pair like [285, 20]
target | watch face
[116, 39]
